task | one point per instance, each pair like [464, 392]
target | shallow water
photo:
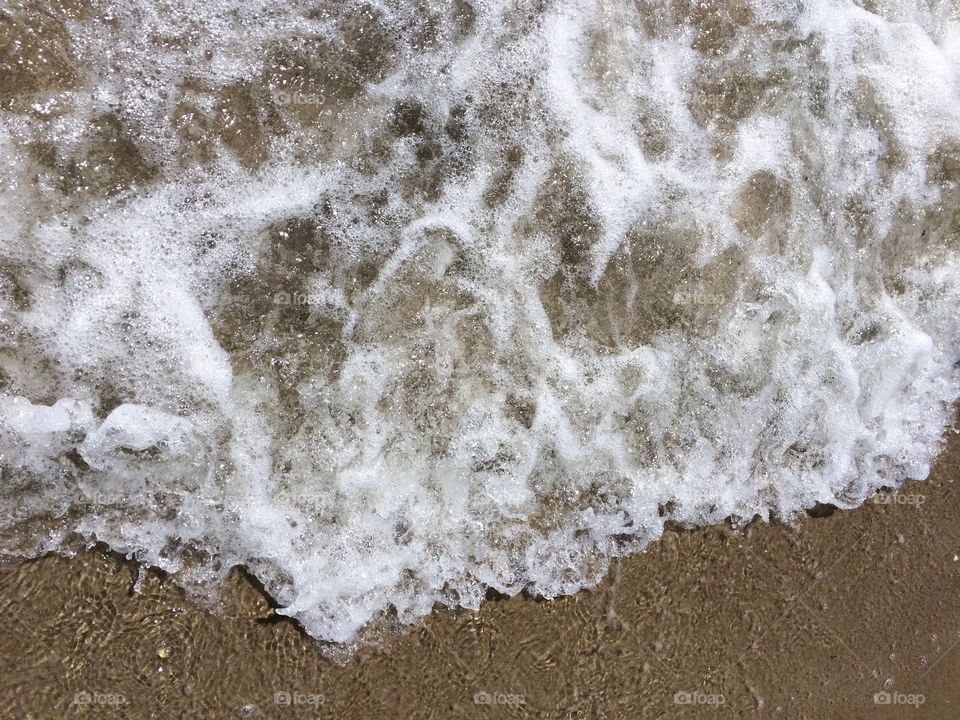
[395, 303]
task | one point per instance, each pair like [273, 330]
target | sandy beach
[854, 614]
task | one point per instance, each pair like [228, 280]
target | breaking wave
[395, 302]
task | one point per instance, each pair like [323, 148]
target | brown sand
[807, 620]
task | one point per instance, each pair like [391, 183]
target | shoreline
[811, 618]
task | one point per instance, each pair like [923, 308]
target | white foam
[393, 306]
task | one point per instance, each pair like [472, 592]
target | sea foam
[393, 303]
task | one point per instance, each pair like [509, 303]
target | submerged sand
[851, 614]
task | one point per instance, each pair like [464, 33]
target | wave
[393, 302]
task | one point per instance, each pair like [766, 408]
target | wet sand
[805, 620]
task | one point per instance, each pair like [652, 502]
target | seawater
[397, 302]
